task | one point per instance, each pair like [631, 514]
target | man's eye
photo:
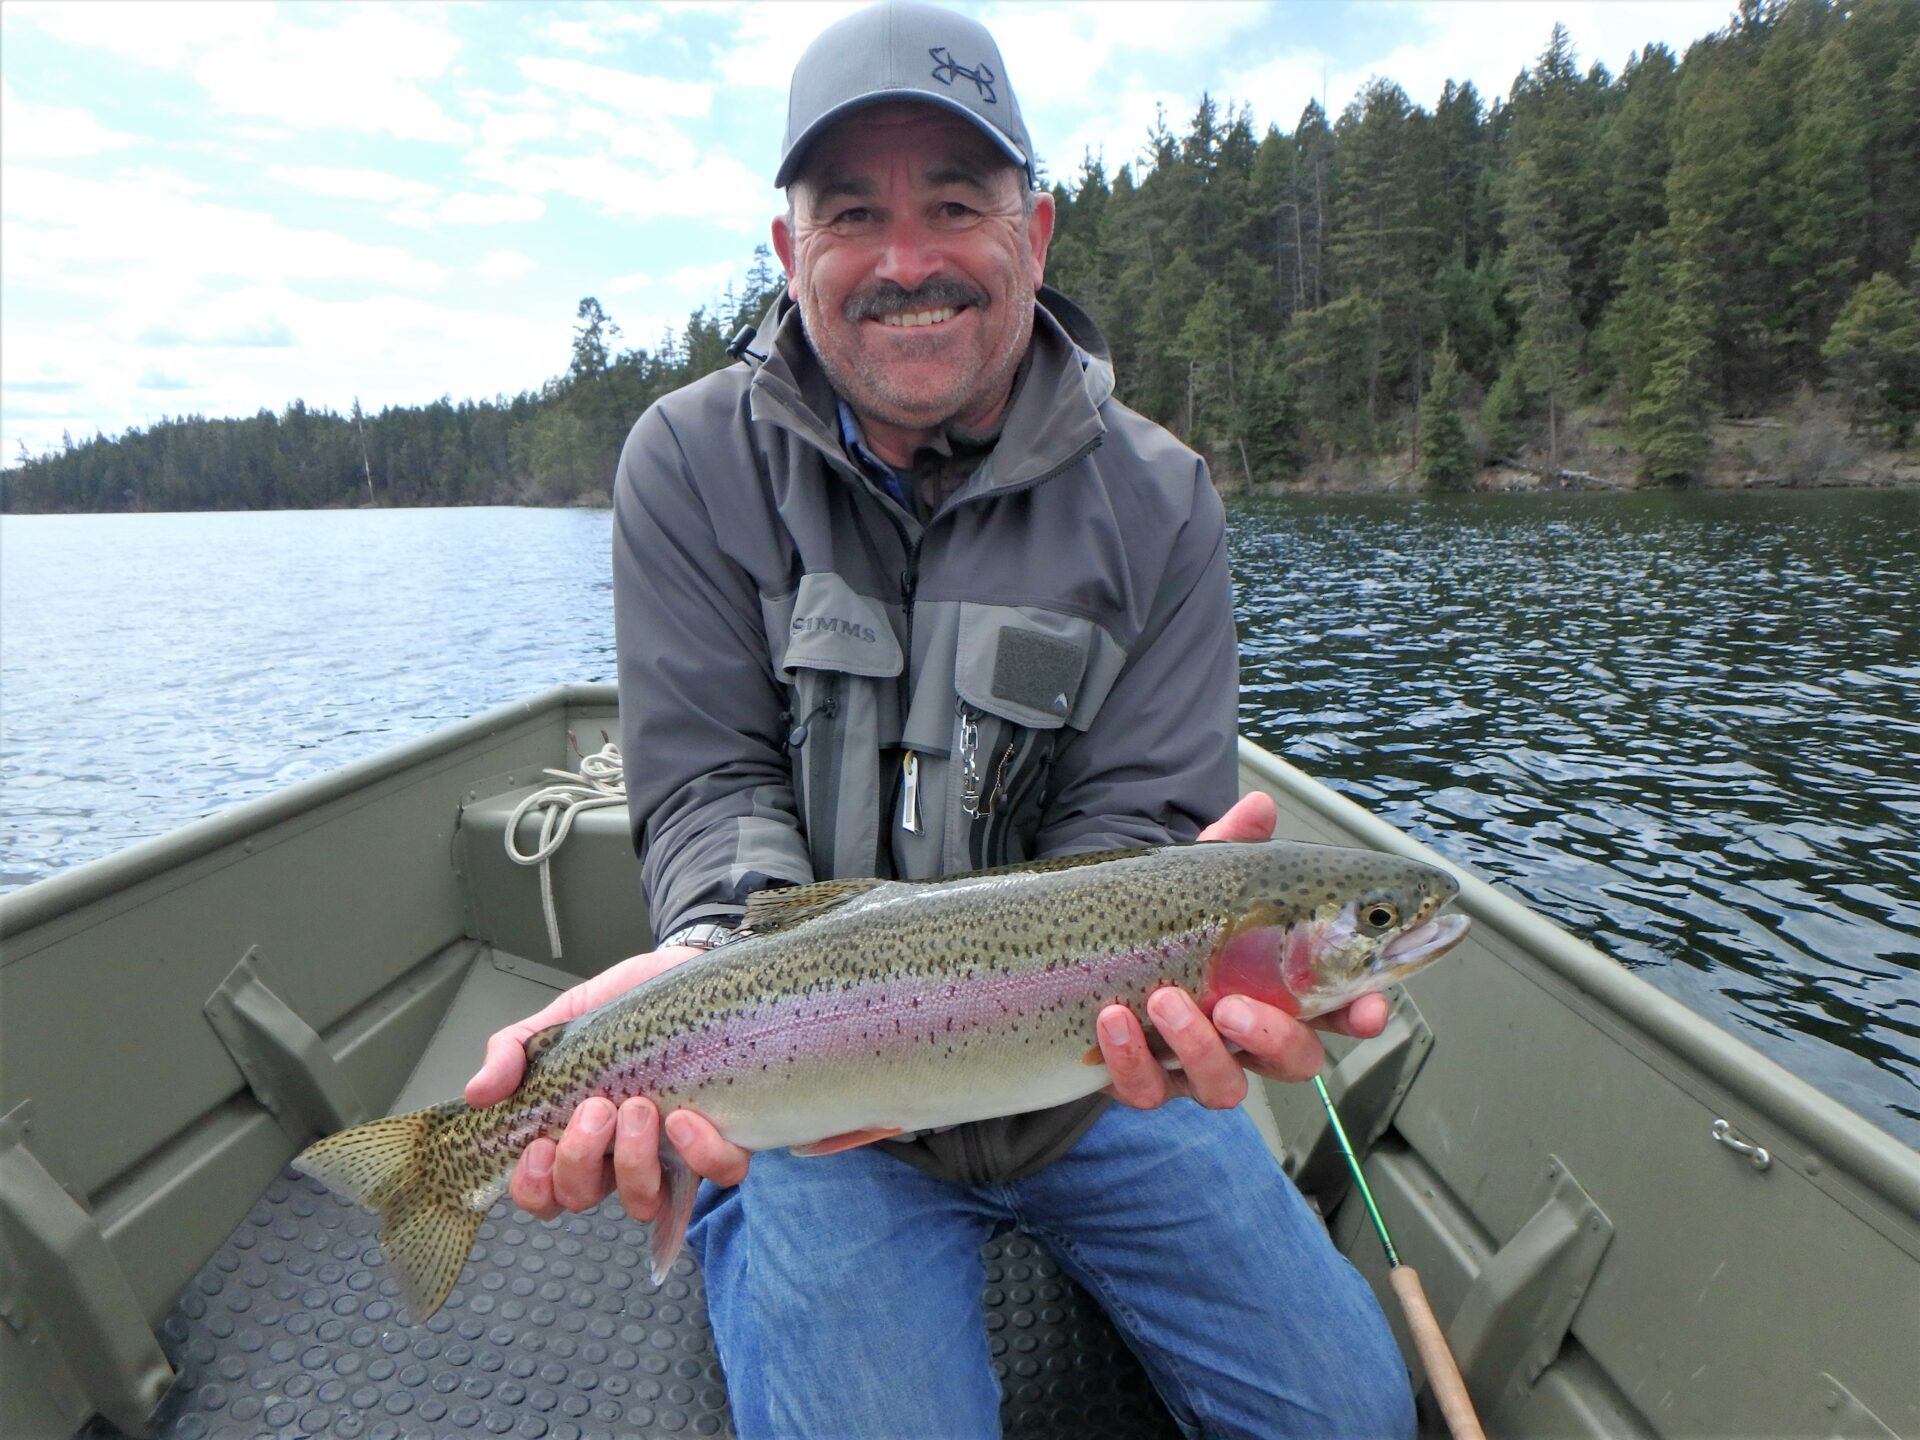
[954, 210]
[857, 215]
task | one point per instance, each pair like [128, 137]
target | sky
[219, 208]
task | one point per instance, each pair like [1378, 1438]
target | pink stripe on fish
[897, 1015]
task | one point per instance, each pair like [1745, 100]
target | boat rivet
[1832, 1400]
[1813, 1165]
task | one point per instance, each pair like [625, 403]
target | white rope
[599, 782]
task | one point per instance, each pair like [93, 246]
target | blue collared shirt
[877, 470]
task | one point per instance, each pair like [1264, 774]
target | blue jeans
[845, 1290]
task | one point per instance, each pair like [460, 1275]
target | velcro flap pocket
[1039, 668]
[826, 625]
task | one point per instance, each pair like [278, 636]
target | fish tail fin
[427, 1221]
[678, 1185]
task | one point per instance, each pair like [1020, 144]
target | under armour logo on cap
[948, 68]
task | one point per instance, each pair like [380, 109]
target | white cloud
[574, 35]
[161, 35]
[468, 208]
[689, 281]
[620, 89]
[361, 69]
[591, 37]
[767, 39]
[363, 73]
[503, 265]
[32, 131]
[1061, 57]
[156, 379]
[374, 185]
[145, 238]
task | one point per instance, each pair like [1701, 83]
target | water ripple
[1687, 727]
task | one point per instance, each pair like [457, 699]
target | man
[915, 595]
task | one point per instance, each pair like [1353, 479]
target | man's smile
[913, 318]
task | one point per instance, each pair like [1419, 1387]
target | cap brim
[798, 151]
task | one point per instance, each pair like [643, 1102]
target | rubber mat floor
[554, 1333]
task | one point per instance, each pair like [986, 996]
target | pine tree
[1824, 201]
[1503, 413]
[1874, 349]
[1446, 462]
[1668, 418]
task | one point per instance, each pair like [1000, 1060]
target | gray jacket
[814, 684]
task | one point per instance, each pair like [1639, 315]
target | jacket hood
[1052, 418]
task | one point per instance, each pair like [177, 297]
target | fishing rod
[1449, 1389]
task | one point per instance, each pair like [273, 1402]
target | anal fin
[850, 1140]
[678, 1185]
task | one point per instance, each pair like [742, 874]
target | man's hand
[602, 1149]
[1272, 1042]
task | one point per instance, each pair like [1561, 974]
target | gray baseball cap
[902, 50]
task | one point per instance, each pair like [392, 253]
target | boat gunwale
[1845, 1140]
[47, 900]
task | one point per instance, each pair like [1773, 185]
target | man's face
[914, 263]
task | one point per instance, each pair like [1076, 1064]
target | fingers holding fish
[1362, 1020]
[1252, 817]
[1271, 1042]
[582, 1175]
[1213, 1076]
[1141, 1079]
[532, 1183]
[706, 1153]
[636, 1158]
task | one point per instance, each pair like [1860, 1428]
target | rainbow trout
[857, 1010]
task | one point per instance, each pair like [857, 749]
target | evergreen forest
[1592, 265]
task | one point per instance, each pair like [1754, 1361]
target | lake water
[1687, 727]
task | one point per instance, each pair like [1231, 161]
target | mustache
[888, 297]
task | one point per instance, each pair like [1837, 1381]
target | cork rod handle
[1435, 1358]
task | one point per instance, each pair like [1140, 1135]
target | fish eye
[1380, 915]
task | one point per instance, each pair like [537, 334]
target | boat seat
[555, 1329]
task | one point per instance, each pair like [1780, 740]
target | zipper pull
[910, 793]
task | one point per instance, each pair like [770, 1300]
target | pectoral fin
[852, 1140]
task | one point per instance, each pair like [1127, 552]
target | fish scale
[856, 1010]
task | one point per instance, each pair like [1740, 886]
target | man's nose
[911, 254]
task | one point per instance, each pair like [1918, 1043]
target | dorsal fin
[1056, 862]
[782, 909]
[542, 1041]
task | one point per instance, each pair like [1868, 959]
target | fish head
[1318, 926]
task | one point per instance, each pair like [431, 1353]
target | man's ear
[783, 247]
[1039, 234]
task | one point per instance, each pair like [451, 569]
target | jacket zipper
[823, 779]
[903, 805]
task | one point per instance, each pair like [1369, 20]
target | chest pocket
[1027, 680]
[838, 656]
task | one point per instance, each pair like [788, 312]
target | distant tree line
[1630, 254]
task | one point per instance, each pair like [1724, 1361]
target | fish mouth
[1410, 950]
